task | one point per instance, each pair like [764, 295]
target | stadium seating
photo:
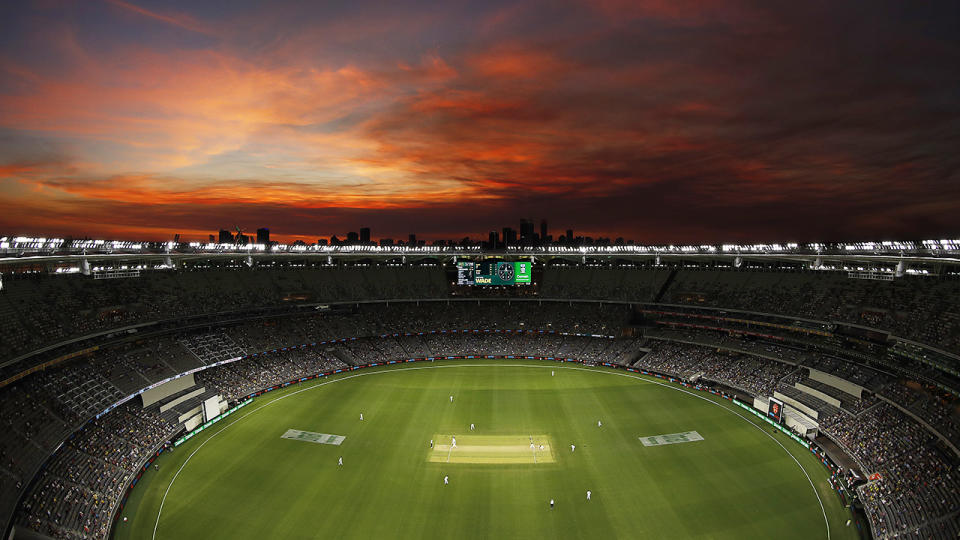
[899, 428]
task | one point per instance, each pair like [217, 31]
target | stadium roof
[25, 251]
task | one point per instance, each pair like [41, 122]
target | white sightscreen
[167, 389]
[211, 408]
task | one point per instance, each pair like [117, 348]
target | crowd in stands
[624, 284]
[864, 376]
[240, 379]
[74, 494]
[918, 493]
[39, 310]
[747, 373]
[923, 309]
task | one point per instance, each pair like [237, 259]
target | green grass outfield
[242, 480]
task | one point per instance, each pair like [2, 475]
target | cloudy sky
[659, 120]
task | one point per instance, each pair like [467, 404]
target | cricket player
[431, 443]
[531, 446]
[471, 427]
[541, 448]
[599, 423]
[551, 503]
[361, 416]
[451, 399]
[588, 494]
[573, 447]
[454, 443]
[446, 480]
[551, 373]
[340, 462]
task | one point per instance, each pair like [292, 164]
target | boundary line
[639, 378]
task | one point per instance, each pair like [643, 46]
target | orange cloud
[517, 63]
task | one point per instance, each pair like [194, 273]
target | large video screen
[775, 410]
[494, 273]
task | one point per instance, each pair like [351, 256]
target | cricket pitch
[492, 449]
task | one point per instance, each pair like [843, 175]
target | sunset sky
[665, 121]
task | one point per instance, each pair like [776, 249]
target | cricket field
[667, 462]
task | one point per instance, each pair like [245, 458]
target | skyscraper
[509, 236]
[526, 232]
[365, 235]
[493, 239]
[226, 237]
[263, 236]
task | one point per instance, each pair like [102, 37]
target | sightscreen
[211, 408]
[494, 273]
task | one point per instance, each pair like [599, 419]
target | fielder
[361, 416]
[340, 462]
[551, 503]
[599, 424]
[451, 399]
[471, 427]
[572, 447]
[588, 494]
[454, 443]
[446, 480]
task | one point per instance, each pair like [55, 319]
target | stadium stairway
[666, 286]
[344, 355]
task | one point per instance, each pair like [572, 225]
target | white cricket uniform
[598, 423]
[572, 448]
[588, 494]
[340, 461]
[446, 480]
[471, 427]
[361, 416]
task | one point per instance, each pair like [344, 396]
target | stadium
[178, 391]
[592, 269]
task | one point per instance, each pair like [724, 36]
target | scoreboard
[494, 273]
[775, 410]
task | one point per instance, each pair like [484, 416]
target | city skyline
[661, 122]
[496, 238]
